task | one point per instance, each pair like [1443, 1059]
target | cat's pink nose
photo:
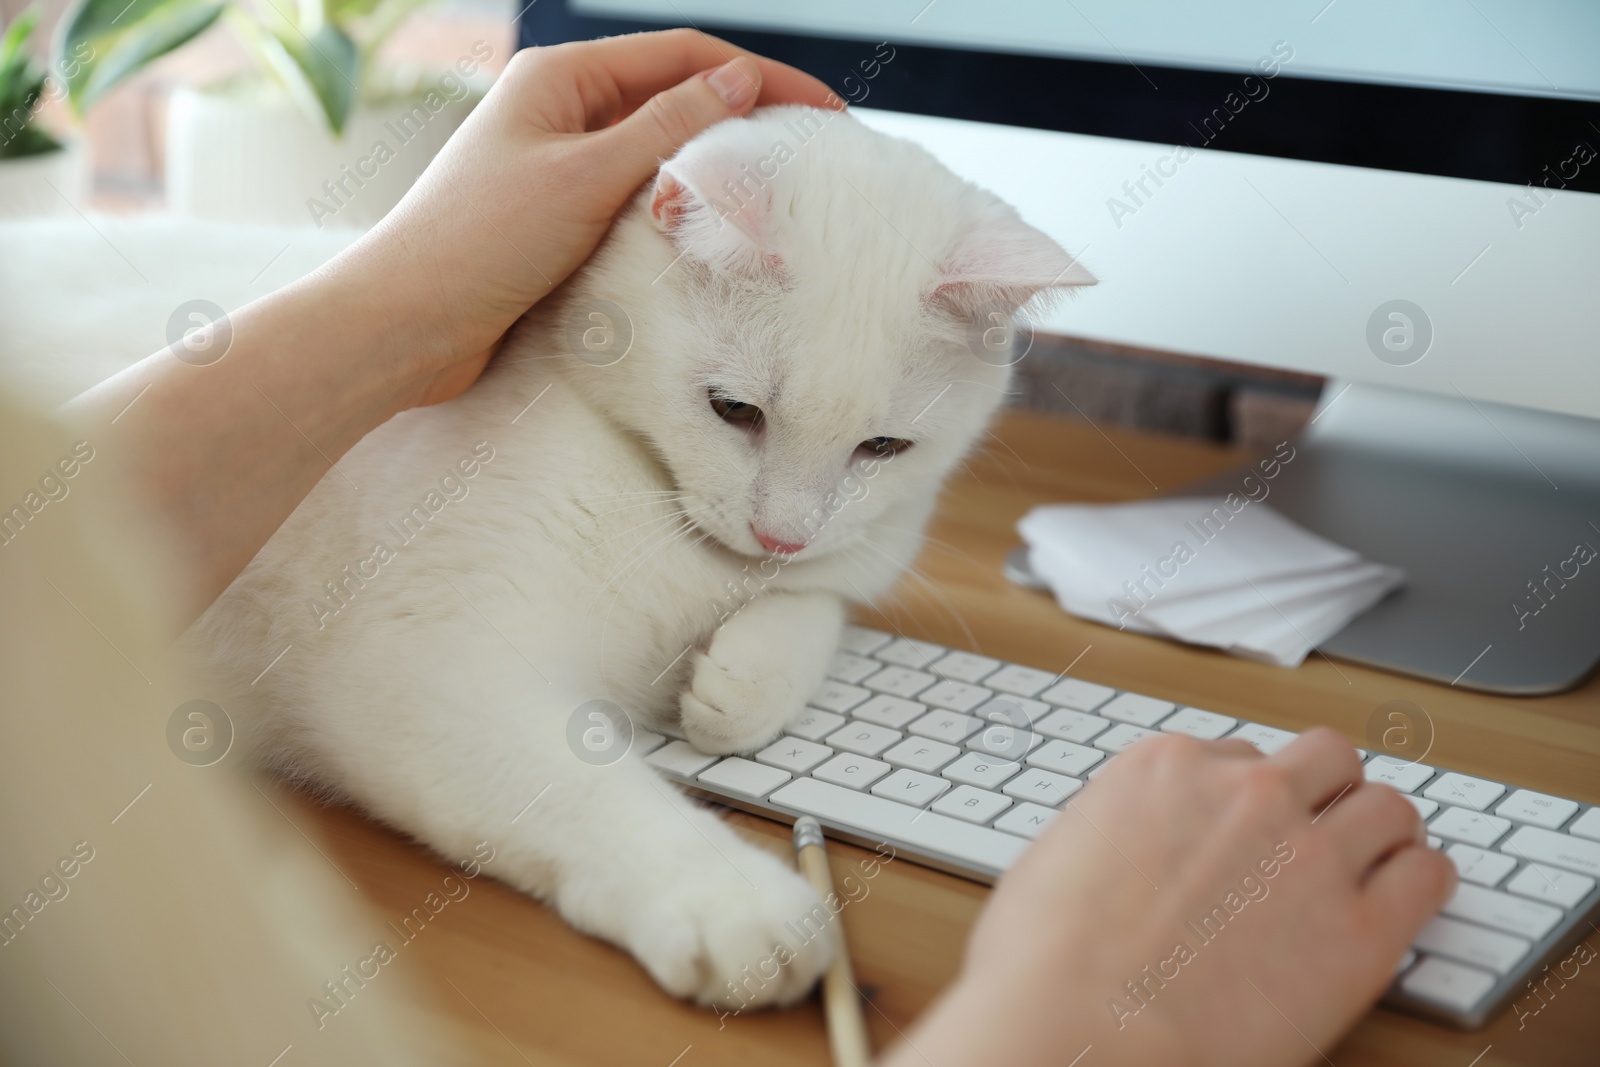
[773, 544]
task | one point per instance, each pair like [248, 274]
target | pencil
[841, 1004]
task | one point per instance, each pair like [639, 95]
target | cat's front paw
[735, 937]
[736, 707]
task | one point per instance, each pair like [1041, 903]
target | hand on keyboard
[1197, 903]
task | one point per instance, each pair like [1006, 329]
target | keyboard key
[744, 778]
[813, 724]
[1025, 819]
[1005, 738]
[1064, 757]
[1139, 710]
[1405, 777]
[1033, 710]
[1451, 984]
[1472, 944]
[1077, 694]
[1120, 736]
[1527, 806]
[793, 754]
[946, 726]
[857, 772]
[911, 787]
[862, 641]
[1538, 882]
[646, 742]
[965, 667]
[972, 805]
[1041, 787]
[878, 819]
[1480, 867]
[1514, 915]
[1474, 793]
[1266, 738]
[1587, 825]
[1206, 725]
[837, 696]
[893, 712]
[1474, 828]
[921, 754]
[956, 696]
[1072, 726]
[1555, 850]
[1098, 771]
[863, 738]
[904, 652]
[848, 667]
[899, 681]
[1019, 681]
[1424, 806]
[680, 758]
[979, 770]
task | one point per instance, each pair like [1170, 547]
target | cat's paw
[736, 937]
[735, 707]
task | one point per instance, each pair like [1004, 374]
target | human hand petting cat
[1196, 904]
[524, 192]
[411, 313]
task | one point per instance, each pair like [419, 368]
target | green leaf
[105, 41]
[327, 59]
[319, 69]
[21, 84]
[342, 11]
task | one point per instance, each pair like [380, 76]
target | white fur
[607, 548]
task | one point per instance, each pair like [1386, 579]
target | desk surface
[513, 985]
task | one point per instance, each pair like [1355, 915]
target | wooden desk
[518, 986]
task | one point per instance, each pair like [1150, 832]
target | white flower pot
[51, 183]
[243, 152]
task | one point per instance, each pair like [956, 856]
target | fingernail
[736, 81]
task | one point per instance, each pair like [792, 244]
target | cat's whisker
[639, 563]
[932, 591]
[997, 439]
[598, 515]
[643, 551]
[946, 546]
[676, 513]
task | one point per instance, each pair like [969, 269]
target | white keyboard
[957, 761]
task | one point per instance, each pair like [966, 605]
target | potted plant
[318, 133]
[39, 174]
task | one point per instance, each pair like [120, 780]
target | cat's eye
[885, 446]
[737, 412]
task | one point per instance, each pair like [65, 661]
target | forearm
[218, 455]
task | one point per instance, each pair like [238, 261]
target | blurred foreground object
[154, 908]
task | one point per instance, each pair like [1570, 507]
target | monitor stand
[1493, 512]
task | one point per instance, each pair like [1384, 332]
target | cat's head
[812, 310]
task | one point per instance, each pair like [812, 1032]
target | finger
[1235, 746]
[1370, 822]
[1406, 890]
[628, 71]
[635, 146]
[1321, 765]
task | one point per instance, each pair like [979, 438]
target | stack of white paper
[1225, 572]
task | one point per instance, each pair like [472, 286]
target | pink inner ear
[1005, 261]
[668, 204]
[716, 212]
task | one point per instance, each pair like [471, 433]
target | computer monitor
[1402, 198]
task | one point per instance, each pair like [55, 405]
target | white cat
[679, 469]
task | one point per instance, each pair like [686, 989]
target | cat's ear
[715, 213]
[1002, 260]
